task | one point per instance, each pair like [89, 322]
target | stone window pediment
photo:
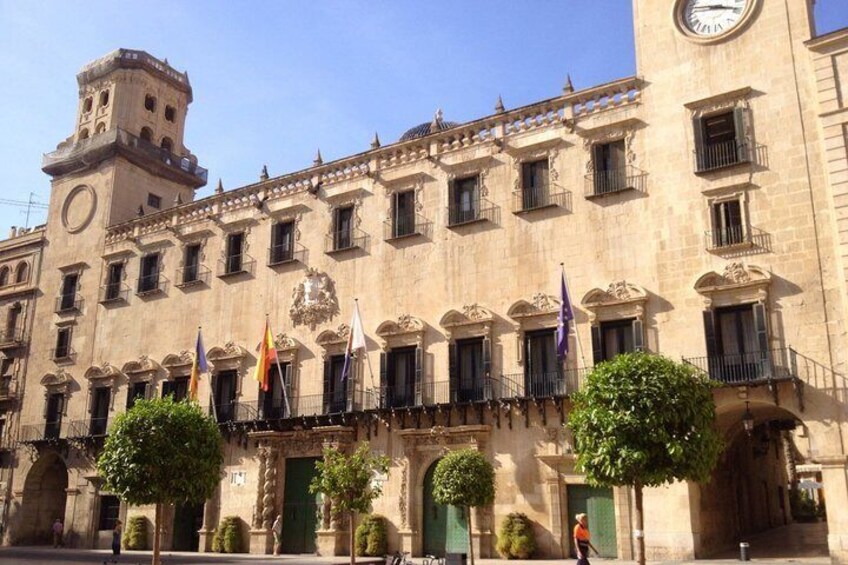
[103, 375]
[142, 369]
[178, 364]
[619, 300]
[737, 284]
[719, 102]
[539, 306]
[228, 357]
[59, 381]
[472, 320]
[407, 330]
[333, 341]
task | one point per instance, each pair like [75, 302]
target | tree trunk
[640, 532]
[470, 540]
[157, 533]
[352, 521]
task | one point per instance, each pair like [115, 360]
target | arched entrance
[44, 499]
[748, 496]
[445, 527]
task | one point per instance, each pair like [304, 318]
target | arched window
[149, 103]
[22, 273]
[147, 134]
[167, 144]
[101, 127]
[87, 104]
[104, 98]
[170, 113]
[83, 134]
[4, 276]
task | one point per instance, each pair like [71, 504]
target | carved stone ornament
[314, 300]
[144, 365]
[616, 293]
[178, 363]
[608, 136]
[735, 275]
[540, 304]
[550, 154]
[405, 324]
[284, 342]
[58, 380]
[102, 373]
[329, 337]
[230, 351]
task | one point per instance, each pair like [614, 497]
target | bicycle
[432, 560]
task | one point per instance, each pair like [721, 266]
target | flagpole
[367, 357]
[576, 333]
[279, 370]
[211, 396]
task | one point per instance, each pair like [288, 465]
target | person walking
[277, 528]
[581, 539]
[58, 531]
[116, 542]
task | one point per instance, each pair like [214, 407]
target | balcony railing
[41, 432]
[394, 397]
[68, 303]
[476, 211]
[92, 427]
[116, 292]
[8, 387]
[63, 354]
[603, 182]
[345, 240]
[192, 275]
[405, 225]
[239, 264]
[531, 198]
[235, 412]
[735, 236]
[720, 155]
[282, 254]
[150, 284]
[743, 368]
[10, 338]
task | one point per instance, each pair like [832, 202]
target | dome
[437, 125]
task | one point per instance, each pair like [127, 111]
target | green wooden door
[445, 528]
[300, 508]
[597, 504]
[188, 519]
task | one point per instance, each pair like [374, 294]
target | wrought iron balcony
[531, 198]
[389, 397]
[114, 292]
[11, 338]
[345, 240]
[734, 237]
[149, 285]
[477, 210]
[45, 431]
[747, 368]
[603, 182]
[234, 412]
[63, 354]
[282, 254]
[714, 156]
[403, 226]
[90, 428]
[239, 264]
[192, 275]
[67, 303]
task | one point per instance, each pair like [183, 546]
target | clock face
[709, 18]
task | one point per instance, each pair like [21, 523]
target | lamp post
[748, 420]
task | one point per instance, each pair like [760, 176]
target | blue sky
[273, 81]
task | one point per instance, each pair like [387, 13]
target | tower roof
[134, 59]
[436, 125]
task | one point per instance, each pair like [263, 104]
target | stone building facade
[696, 207]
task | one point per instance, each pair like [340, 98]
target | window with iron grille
[110, 508]
[282, 242]
[63, 344]
[154, 201]
[403, 213]
[235, 253]
[114, 279]
[609, 164]
[148, 277]
[191, 262]
[728, 224]
[720, 140]
[343, 228]
[69, 291]
[465, 200]
[535, 191]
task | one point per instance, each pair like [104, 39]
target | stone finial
[140, 212]
[375, 143]
[264, 174]
[220, 188]
[499, 107]
[318, 160]
[569, 87]
[12, 232]
[437, 118]
[178, 200]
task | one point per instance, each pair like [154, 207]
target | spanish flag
[199, 366]
[267, 355]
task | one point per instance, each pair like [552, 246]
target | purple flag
[565, 316]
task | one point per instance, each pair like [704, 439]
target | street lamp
[748, 420]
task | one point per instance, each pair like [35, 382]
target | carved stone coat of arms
[314, 300]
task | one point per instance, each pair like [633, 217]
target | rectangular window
[154, 201]
[343, 228]
[63, 344]
[465, 202]
[235, 254]
[470, 369]
[617, 338]
[148, 276]
[738, 343]
[137, 391]
[609, 163]
[68, 298]
[335, 393]
[100, 400]
[535, 191]
[110, 508]
[177, 387]
[542, 375]
[403, 213]
[53, 415]
[720, 140]
[273, 401]
[191, 269]
[282, 242]
[728, 228]
[114, 278]
[400, 378]
[225, 395]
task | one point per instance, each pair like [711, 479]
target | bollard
[744, 551]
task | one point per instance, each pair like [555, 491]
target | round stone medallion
[79, 208]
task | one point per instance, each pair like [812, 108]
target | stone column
[261, 537]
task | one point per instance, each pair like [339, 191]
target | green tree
[162, 452]
[464, 478]
[347, 480]
[644, 420]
